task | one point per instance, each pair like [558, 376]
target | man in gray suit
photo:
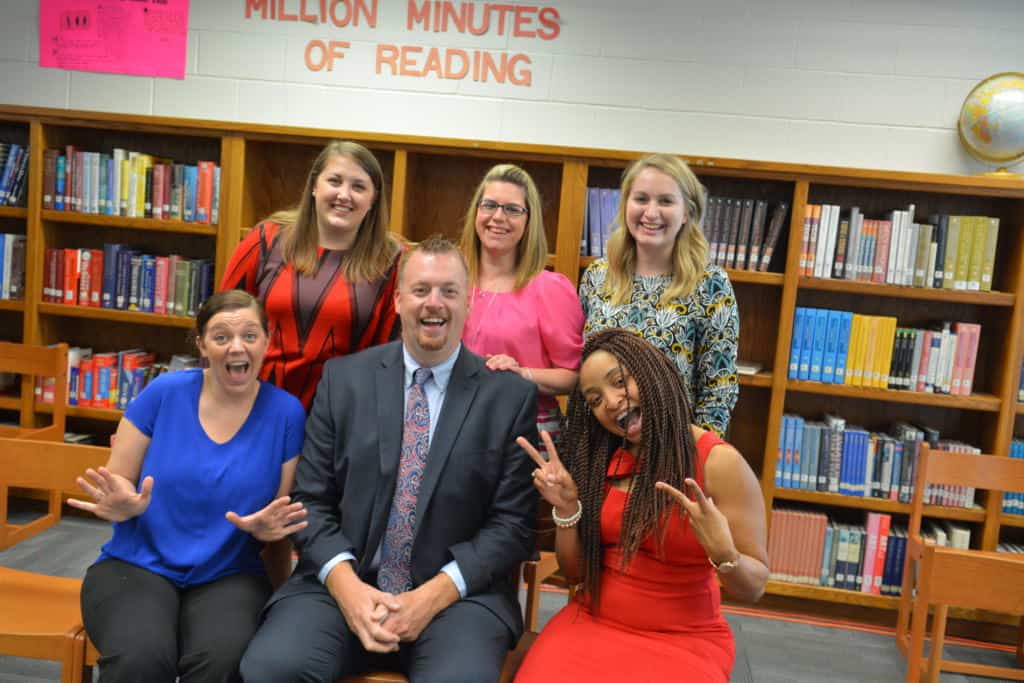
[418, 517]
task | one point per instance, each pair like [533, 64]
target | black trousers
[148, 629]
[304, 637]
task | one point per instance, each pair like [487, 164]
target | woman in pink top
[522, 319]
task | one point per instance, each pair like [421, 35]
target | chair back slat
[24, 359]
[46, 464]
[983, 471]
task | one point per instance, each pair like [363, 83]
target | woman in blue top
[196, 486]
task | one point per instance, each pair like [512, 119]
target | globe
[991, 124]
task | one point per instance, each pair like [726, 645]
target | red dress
[659, 619]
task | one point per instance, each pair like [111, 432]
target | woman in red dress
[649, 557]
[325, 271]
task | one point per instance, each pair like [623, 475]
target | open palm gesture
[551, 479]
[278, 519]
[115, 496]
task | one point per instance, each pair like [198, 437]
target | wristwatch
[726, 566]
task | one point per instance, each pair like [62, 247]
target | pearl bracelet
[570, 521]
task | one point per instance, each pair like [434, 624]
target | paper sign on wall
[137, 37]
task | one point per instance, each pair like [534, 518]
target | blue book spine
[191, 178]
[814, 465]
[807, 343]
[828, 364]
[111, 253]
[897, 468]
[780, 456]
[843, 346]
[787, 461]
[798, 439]
[103, 386]
[8, 172]
[58, 182]
[795, 344]
[594, 221]
[818, 347]
[841, 559]
[124, 267]
[147, 283]
[844, 463]
[826, 554]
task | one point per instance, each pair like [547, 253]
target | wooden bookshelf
[13, 212]
[102, 414]
[92, 313]
[10, 403]
[123, 222]
[429, 182]
[982, 402]
[1005, 299]
[975, 514]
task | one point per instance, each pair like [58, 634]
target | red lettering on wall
[282, 16]
[406, 67]
[523, 19]
[320, 54]
[257, 5]
[523, 76]
[417, 16]
[449, 70]
[550, 18]
[387, 55]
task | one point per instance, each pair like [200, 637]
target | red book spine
[160, 285]
[84, 276]
[204, 191]
[95, 276]
[881, 264]
[70, 283]
[86, 372]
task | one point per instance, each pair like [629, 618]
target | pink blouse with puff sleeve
[540, 325]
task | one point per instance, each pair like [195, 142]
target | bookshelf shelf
[104, 414]
[848, 597]
[920, 293]
[10, 403]
[878, 504]
[1015, 521]
[13, 212]
[979, 402]
[760, 379]
[1019, 408]
[756, 277]
[91, 313]
[152, 224]
[12, 305]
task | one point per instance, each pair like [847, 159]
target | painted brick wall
[867, 83]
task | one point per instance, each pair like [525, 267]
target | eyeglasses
[489, 206]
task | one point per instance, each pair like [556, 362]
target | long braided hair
[667, 451]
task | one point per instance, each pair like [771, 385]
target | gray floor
[768, 650]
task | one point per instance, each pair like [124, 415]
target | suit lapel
[458, 398]
[390, 391]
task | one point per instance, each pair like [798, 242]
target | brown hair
[228, 300]
[532, 250]
[374, 249]
[667, 452]
[690, 250]
[434, 245]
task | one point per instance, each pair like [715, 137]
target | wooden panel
[976, 514]
[919, 293]
[986, 581]
[994, 472]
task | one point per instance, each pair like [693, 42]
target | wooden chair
[40, 616]
[534, 572]
[42, 465]
[31, 362]
[946, 576]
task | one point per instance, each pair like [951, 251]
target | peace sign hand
[551, 479]
[709, 524]
[115, 496]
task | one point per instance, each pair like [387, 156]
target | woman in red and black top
[325, 271]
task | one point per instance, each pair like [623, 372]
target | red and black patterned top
[312, 318]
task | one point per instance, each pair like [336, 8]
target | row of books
[1013, 503]
[110, 379]
[132, 184]
[602, 205]
[810, 548]
[947, 252]
[1020, 385]
[123, 278]
[835, 457]
[740, 233]
[13, 174]
[12, 266]
[841, 347]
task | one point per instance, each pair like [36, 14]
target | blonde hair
[532, 250]
[374, 249]
[690, 250]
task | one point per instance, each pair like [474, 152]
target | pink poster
[137, 37]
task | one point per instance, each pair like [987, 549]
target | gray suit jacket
[476, 504]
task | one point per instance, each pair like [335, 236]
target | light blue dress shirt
[435, 389]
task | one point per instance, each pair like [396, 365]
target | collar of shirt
[441, 373]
